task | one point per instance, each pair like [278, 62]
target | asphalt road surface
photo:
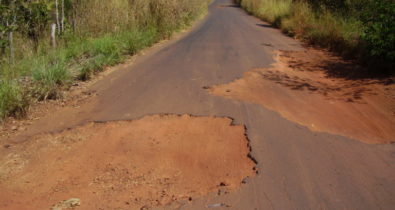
[298, 168]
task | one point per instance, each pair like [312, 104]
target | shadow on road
[265, 25]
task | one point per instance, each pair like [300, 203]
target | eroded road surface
[233, 115]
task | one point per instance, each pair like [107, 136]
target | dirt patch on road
[154, 161]
[322, 92]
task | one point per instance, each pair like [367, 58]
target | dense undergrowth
[362, 29]
[96, 34]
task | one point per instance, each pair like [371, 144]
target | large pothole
[153, 161]
[307, 88]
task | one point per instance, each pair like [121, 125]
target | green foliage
[355, 28]
[379, 32]
[7, 22]
[134, 41]
[29, 18]
[98, 34]
[344, 8]
[13, 100]
[49, 78]
[110, 50]
[33, 18]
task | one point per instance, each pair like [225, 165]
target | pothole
[154, 161]
[307, 88]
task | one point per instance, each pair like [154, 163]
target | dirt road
[298, 168]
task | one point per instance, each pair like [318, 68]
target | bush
[49, 79]
[13, 100]
[354, 28]
[379, 32]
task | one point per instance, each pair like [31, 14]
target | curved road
[298, 169]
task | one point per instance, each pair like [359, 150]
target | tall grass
[13, 101]
[102, 33]
[298, 18]
[270, 10]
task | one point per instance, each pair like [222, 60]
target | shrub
[354, 28]
[13, 100]
[379, 32]
[49, 79]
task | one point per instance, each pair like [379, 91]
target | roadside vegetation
[363, 29]
[45, 45]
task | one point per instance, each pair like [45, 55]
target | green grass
[47, 73]
[13, 99]
[324, 28]
[53, 72]
[49, 78]
[270, 10]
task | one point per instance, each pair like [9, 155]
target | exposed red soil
[323, 92]
[153, 161]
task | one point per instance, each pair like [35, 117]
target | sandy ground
[323, 92]
[154, 161]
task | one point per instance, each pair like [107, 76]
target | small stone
[144, 207]
[215, 205]
[67, 204]
[244, 181]
[223, 184]
[7, 146]
[14, 128]
[222, 192]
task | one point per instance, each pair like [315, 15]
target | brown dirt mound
[153, 161]
[322, 92]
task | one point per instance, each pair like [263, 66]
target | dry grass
[297, 18]
[99, 33]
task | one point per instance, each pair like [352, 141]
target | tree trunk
[74, 14]
[53, 35]
[11, 37]
[57, 15]
[3, 46]
[11, 44]
[62, 20]
[11, 34]
[12, 50]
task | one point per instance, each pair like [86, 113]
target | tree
[379, 22]
[34, 17]
[8, 26]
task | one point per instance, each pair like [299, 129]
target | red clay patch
[153, 161]
[322, 92]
